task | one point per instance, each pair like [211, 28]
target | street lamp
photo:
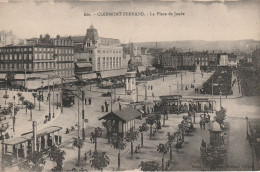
[49, 98]
[57, 100]
[6, 84]
[181, 83]
[13, 114]
[42, 90]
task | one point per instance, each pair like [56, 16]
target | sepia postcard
[128, 85]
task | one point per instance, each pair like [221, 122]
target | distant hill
[246, 46]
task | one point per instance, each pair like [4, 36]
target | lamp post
[57, 100]
[53, 95]
[220, 93]
[13, 114]
[170, 89]
[49, 99]
[5, 84]
[194, 77]
[42, 91]
[181, 83]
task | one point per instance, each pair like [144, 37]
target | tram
[68, 98]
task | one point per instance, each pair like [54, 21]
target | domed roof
[214, 126]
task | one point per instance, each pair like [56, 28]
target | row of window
[109, 63]
[41, 56]
[65, 58]
[43, 49]
[64, 51]
[15, 49]
[109, 51]
[65, 65]
[16, 57]
[15, 66]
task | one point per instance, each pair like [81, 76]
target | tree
[6, 96]
[10, 108]
[149, 166]
[26, 103]
[143, 128]
[163, 148]
[99, 160]
[77, 142]
[21, 99]
[170, 138]
[117, 142]
[34, 97]
[30, 106]
[131, 137]
[19, 95]
[94, 135]
[150, 120]
[33, 162]
[57, 155]
[108, 125]
[39, 98]
[5, 111]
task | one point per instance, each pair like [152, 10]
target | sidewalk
[23, 123]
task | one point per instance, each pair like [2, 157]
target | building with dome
[104, 54]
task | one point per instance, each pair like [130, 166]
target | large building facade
[104, 54]
[38, 60]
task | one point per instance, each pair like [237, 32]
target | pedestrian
[151, 87]
[105, 102]
[119, 106]
[102, 108]
[153, 94]
[203, 144]
[194, 117]
[200, 123]
[85, 101]
[203, 123]
[163, 79]
[89, 101]
[106, 107]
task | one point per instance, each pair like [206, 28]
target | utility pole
[83, 114]
[220, 100]
[212, 87]
[34, 145]
[61, 96]
[57, 101]
[49, 97]
[136, 92]
[53, 95]
[25, 77]
[181, 83]
[13, 114]
[78, 130]
[111, 99]
[178, 95]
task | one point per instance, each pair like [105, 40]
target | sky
[201, 21]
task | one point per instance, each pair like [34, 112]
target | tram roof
[22, 139]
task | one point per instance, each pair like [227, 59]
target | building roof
[22, 139]
[81, 65]
[78, 39]
[125, 114]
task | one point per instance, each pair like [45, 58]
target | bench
[137, 149]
